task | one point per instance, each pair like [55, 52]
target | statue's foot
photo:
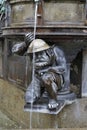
[52, 104]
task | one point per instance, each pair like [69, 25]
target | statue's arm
[59, 70]
[21, 47]
[60, 61]
[60, 66]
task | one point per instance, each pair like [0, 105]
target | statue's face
[42, 59]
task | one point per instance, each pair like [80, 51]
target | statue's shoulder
[57, 49]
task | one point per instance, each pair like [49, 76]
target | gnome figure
[49, 67]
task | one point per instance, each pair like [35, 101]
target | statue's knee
[32, 94]
[29, 97]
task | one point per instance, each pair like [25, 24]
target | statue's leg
[52, 84]
[33, 91]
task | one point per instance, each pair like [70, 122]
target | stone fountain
[59, 33]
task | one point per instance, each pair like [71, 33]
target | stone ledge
[12, 103]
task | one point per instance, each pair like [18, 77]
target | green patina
[2, 8]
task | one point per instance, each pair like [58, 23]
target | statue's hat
[37, 45]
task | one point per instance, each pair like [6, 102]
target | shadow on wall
[76, 74]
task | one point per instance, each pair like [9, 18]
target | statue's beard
[42, 60]
[40, 65]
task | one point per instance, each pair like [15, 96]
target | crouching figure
[49, 67]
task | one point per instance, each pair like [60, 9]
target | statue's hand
[29, 37]
[41, 72]
[61, 70]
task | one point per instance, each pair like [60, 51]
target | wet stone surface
[6, 123]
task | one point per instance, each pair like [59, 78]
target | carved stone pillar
[84, 74]
[86, 12]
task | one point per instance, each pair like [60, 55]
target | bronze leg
[52, 88]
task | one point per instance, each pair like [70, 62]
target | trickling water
[56, 122]
[77, 110]
[26, 71]
[35, 23]
[33, 61]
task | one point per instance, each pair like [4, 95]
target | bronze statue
[50, 66]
